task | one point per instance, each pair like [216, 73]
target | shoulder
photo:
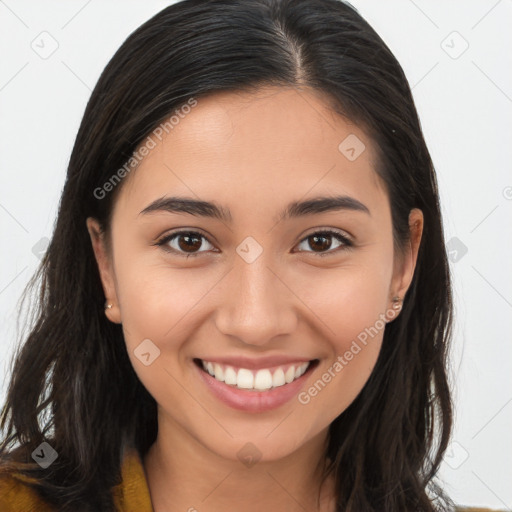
[16, 495]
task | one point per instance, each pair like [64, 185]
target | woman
[246, 301]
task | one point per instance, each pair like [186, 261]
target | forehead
[256, 147]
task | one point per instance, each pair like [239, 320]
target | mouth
[262, 380]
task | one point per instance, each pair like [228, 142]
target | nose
[256, 305]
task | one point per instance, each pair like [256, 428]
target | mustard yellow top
[131, 495]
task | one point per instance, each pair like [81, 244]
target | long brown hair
[72, 382]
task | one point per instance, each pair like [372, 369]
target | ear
[404, 267]
[105, 268]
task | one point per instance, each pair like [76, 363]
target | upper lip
[252, 363]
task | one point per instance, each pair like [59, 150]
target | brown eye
[186, 243]
[189, 242]
[322, 242]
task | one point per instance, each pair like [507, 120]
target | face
[241, 284]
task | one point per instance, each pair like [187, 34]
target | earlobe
[103, 262]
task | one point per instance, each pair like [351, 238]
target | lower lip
[254, 401]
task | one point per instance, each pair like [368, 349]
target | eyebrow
[293, 210]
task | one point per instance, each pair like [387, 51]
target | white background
[464, 99]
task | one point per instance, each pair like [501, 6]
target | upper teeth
[261, 380]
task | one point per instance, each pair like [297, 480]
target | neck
[184, 475]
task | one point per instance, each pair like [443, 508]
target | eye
[189, 243]
[185, 243]
[322, 242]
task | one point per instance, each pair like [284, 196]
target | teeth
[263, 380]
[230, 376]
[245, 379]
[289, 375]
[219, 374]
[300, 370]
[260, 381]
[278, 378]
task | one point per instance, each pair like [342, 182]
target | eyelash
[347, 244]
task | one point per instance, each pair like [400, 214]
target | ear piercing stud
[397, 303]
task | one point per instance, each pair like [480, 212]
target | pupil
[322, 246]
[192, 242]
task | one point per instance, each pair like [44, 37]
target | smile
[257, 380]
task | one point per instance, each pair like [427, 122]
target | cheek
[349, 304]
[346, 300]
[157, 299]
[158, 304]
[165, 305]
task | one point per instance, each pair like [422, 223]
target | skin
[254, 154]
